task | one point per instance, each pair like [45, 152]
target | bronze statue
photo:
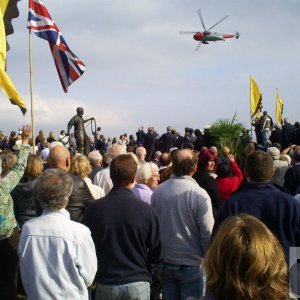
[83, 142]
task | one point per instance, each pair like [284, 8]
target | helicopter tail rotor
[237, 35]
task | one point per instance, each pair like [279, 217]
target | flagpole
[31, 92]
[250, 110]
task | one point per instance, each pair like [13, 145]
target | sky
[141, 72]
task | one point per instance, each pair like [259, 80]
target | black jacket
[208, 183]
[23, 195]
[79, 199]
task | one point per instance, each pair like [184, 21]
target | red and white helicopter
[206, 36]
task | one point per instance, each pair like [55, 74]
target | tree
[226, 132]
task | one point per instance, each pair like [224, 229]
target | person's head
[259, 166]
[165, 159]
[141, 153]
[80, 111]
[95, 158]
[296, 154]
[8, 161]
[34, 166]
[113, 151]
[150, 129]
[224, 170]
[225, 150]
[207, 160]
[184, 162]
[53, 188]
[51, 135]
[80, 166]
[244, 130]
[62, 132]
[245, 261]
[198, 132]
[148, 174]
[275, 153]
[157, 154]
[169, 128]
[265, 113]
[122, 170]
[59, 157]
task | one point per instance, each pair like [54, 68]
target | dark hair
[122, 170]
[224, 170]
[198, 132]
[184, 164]
[259, 166]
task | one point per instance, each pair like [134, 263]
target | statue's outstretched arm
[92, 118]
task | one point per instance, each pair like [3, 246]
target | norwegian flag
[69, 66]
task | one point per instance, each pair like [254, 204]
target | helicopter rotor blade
[201, 19]
[198, 46]
[187, 32]
[218, 23]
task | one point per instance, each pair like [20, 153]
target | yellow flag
[279, 108]
[6, 84]
[255, 99]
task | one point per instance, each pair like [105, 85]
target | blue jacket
[279, 211]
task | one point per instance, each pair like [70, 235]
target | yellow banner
[279, 108]
[6, 84]
[255, 99]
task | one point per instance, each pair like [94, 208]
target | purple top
[142, 192]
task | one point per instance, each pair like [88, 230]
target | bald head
[184, 162]
[59, 157]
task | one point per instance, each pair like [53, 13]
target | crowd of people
[149, 216]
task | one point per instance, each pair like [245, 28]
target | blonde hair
[34, 166]
[80, 166]
[246, 261]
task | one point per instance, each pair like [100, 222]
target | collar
[186, 177]
[60, 213]
[266, 184]
[143, 186]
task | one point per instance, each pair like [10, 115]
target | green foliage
[226, 132]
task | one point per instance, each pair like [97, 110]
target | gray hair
[53, 188]
[145, 171]
[140, 152]
[113, 151]
[95, 157]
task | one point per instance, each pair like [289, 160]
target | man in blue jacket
[279, 211]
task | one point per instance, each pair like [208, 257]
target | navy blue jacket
[126, 234]
[279, 211]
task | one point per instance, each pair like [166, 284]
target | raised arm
[8, 183]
